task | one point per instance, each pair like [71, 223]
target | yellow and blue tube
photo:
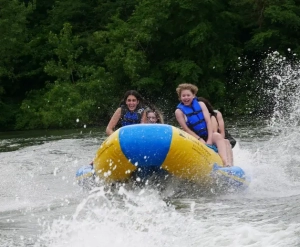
[153, 147]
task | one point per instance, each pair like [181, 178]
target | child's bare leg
[229, 152]
[218, 140]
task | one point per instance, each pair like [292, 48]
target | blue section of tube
[146, 145]
[232, 176]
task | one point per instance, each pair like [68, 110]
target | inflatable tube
[85, 176]
[146, 148]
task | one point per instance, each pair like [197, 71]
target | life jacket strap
[198, 122]
[193, 113]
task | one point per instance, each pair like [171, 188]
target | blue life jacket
[129, 117]
[195, 118]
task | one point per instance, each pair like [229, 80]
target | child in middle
[154, 116]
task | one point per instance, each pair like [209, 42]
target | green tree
[269, 24]
[79, 92]
[13, 48]
[168, 42]
[67, 49]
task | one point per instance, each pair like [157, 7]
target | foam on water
[143, 219]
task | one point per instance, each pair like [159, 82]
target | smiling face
[132, 102]
[186, 97]
[151, 117]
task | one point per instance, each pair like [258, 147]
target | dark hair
[135, 94]
[208, 105]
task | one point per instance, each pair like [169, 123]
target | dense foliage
[64, 61]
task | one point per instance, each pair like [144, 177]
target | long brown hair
[208, 105]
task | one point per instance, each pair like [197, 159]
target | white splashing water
[134, 221]
[283, 81]
[275, 163]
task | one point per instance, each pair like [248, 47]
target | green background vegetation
[73, 59]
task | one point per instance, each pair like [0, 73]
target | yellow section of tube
[188, 158]
[110, 163]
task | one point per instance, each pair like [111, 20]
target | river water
[42, 205]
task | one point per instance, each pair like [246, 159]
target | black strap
[198, 122]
